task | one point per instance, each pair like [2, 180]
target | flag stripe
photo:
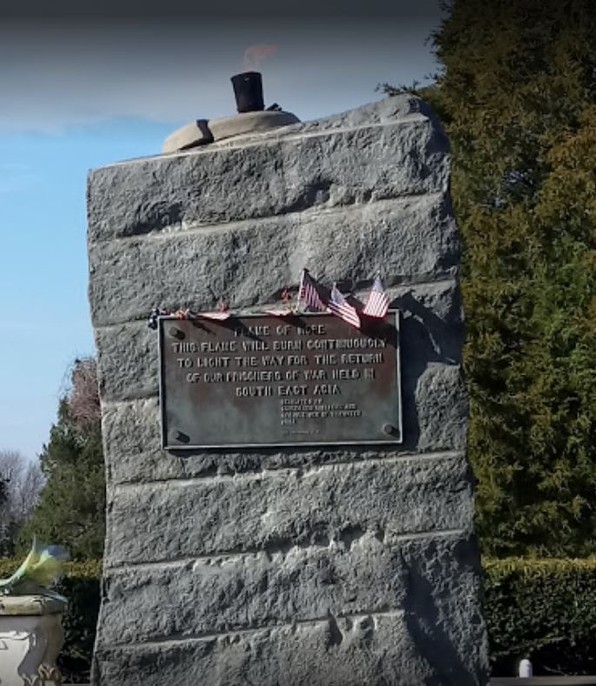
[219, 316]
[349, 315]
[340, 307]
[279, 313]
[377, 304]
[309, 293]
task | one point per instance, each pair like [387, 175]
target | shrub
[544, 610]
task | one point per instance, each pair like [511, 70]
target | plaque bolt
[389, 429]
[182, 437]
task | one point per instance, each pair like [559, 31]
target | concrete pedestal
[31, 638]
[202, 132]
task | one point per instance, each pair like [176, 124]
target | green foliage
[71, 508]
[38, 571]
[544, 610]
[517, 97]
[80, 586]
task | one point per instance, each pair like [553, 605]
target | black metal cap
[248, 91]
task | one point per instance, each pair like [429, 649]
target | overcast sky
[79, 93]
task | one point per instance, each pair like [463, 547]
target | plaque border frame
[397, 440]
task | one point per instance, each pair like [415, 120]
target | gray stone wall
[295, 566]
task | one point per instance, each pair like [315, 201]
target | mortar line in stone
[268, 139]
[282, 472]
[254, 552]
[176, 639]
[135, 323]
[210, 228]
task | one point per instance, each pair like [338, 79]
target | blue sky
[78, 96]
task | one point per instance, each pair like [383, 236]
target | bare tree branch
[83, 400]
[23, 481]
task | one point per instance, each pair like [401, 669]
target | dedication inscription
[260, 380]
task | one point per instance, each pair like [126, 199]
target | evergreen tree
[71, 508]
[517, 97]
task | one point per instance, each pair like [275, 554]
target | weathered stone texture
[251, 262]
[363, 575]
[430, 321]
[436, 636]
[400, 155]
[295, 566]
[288, 507]
[349, 651]
[434, 407]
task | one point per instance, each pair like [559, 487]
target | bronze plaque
[260, 380]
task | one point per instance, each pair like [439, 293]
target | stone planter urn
[31, 637]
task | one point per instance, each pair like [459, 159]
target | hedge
[541, 609]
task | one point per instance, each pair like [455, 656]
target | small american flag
[217, 316]
[279, 312]
[286, 311]
[221, 315]
[310, 294]
[340, 307]
[377, 304]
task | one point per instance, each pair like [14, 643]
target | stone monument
[239, 554]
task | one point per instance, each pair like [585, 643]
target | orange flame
[255, 54]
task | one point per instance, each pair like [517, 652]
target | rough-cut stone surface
[138, 458]
[288, 507]
[347, 651]
[322, 169]
[431, 324]
[364, 575]
[251, 262]
[132, 435]
[435, 637]
[299, 566]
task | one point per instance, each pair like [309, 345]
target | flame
[255, 54]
